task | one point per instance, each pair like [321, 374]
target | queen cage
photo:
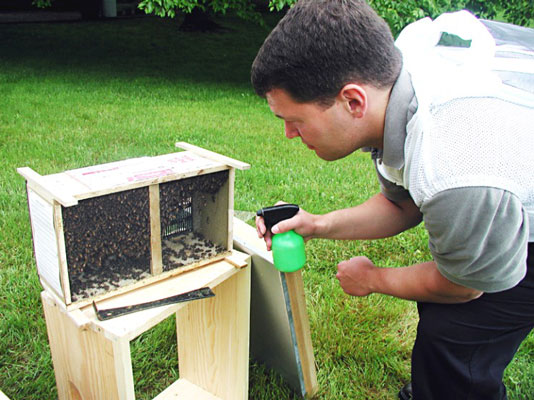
[105, 229]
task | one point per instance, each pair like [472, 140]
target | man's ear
[354, 98]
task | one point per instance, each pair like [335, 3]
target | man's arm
[377, 218]
[478, 238]
[421, 282]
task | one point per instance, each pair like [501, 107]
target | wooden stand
[92, 358]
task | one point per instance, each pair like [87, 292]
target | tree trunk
[199, 21]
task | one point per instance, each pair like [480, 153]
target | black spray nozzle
[275, 214]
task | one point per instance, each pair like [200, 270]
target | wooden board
[70, 186]
[213, 156]
[279, 332]
[62, 253]
[182, 389]
[45, 245]
[210, 357]
[130, 326]
[75, 352]
[156, 264]
[48, 190]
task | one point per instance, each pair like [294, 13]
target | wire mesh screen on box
[178, 199]
[183, 203]
[183, 222]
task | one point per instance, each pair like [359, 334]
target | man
[452, 147]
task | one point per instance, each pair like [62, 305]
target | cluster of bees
[107, 238]
[188, 248]
[91, 283]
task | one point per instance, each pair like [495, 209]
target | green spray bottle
[288, 247]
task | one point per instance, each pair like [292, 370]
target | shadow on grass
[129, 49]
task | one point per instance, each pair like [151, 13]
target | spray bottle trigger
[275, 214]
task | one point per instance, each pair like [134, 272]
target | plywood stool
[92, 358]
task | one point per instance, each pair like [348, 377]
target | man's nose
[291, 130]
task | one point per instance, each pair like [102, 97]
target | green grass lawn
[78, 94]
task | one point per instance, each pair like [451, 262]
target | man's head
[320, 46]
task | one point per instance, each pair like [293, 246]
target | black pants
[461, 350]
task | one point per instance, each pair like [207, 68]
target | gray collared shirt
[477, 235]
[401, 108]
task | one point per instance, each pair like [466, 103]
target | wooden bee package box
[106, 229]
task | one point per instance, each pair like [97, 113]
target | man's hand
[421, 282]
[303, 223]
[356, 276]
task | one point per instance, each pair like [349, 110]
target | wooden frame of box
[92, 358]
[103, 230]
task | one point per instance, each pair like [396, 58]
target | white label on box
[44, 240]
[140, 169]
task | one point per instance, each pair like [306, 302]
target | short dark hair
[320, 46]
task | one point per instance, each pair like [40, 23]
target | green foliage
[279, 5]
[400, 13]
[397, 13]
[42, 3]
[243, 8]
[167, 8]
[519, 12]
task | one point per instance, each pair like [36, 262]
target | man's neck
[378, 102]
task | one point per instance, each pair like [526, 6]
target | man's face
[327, 131]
